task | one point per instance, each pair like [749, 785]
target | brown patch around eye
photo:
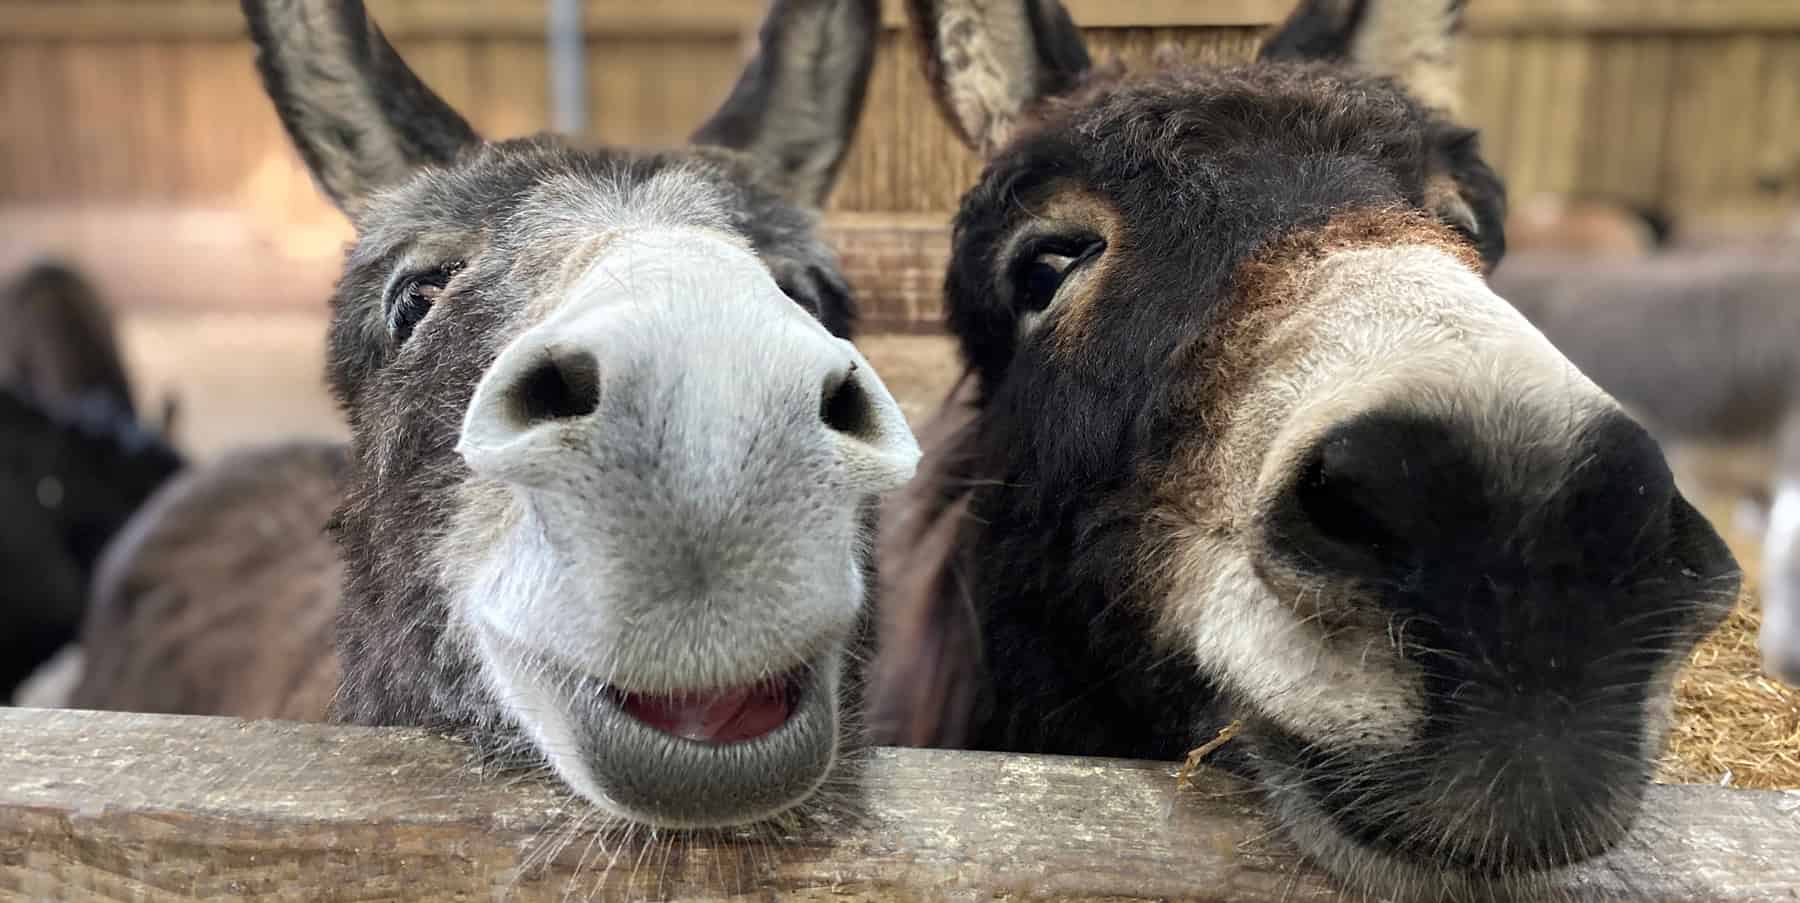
[1071, 317]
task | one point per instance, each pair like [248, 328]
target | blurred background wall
[117, 114]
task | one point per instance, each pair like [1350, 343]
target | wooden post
[147, 807]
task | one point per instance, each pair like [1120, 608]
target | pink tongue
[732, 716]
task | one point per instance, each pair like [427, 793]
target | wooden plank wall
[1693, 106]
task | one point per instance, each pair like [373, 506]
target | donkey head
[1252, 439]
[613, 457]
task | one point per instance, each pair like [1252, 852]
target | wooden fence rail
[144, 807]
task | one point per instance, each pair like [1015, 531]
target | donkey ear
[798, 101]
[360, 118]
[990, 61]
[1412, 41]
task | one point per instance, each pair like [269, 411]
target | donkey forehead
[1165, 116]
[537, 195]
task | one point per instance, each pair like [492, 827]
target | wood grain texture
[114, 807]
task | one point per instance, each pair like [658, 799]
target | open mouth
[717, 717]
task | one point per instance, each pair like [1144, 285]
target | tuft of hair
[1413, 42]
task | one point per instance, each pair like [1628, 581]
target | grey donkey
[607, 503]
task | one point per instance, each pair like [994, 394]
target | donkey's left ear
[1412, 41]
[796, 106]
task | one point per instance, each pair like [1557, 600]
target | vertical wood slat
[1488, 86]
[1524, 131]
[158, 74]
[1566, 114]
[1779, 139]
[25, 108]
[1708, 152]
[513, 95]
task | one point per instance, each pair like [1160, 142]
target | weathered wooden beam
[113, 806]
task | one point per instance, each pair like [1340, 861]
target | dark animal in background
[1704, 347]
[57, 342]
[74, 461]
[1246, 435]
[608, 503]
[71, 475]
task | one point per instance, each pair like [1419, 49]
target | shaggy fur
[1245, 435]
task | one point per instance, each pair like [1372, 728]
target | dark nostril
[564, 386]
[1374, 490]
[844, 405]
[1337, 503]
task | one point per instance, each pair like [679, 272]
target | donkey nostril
[564, 386]
[1374, 491]
[1338, 505]
[844, 405]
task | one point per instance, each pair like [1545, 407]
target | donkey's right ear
[360, 118]
[990, 61]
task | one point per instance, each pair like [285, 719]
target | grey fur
[692, 520]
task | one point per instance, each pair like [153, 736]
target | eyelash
[413, 297]
[1076, 251]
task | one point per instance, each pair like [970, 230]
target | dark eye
[412, 297]
[1045, 266]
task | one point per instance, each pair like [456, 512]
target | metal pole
[567, 48]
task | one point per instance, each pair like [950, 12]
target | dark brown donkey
[607, 501]
[1245, 435]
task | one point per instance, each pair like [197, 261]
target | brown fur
[924, 685]
[159, 641]
[925, 697]
[1268, 449]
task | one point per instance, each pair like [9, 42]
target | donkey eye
[411, 298]
[1046, 269]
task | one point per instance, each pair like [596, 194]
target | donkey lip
[716, 717]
